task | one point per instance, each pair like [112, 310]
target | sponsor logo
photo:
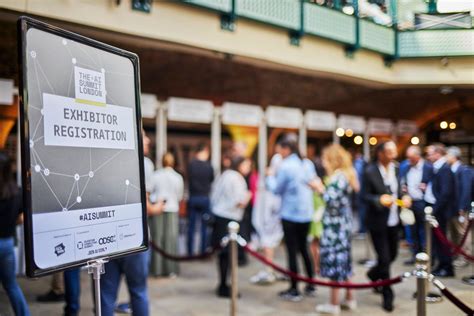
[59, 249]
[107, 240]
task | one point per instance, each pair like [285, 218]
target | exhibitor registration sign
[82, 154]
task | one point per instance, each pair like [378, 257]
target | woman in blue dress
[335, 245]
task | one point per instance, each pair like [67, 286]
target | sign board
[407, 128]
[190, 110]
[6, 91]
[320, 121]
[283, 117]
[241, 114]
[82, 153]
[355, 123]
[149, 105]
[379, 126]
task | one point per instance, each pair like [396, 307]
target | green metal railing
[300, 17]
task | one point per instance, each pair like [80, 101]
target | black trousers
[385, 241]
[296, 242]
[440, 252]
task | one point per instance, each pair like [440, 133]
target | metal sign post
[96, 269]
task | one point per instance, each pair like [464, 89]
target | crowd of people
[306, 204]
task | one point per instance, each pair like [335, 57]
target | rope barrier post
[422, 263]
[233, 229]
[429, 220]
[470, 279]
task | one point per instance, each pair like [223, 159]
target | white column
[366, 146]
[303, 139]
[335, 138]
[262, 151]
[216, 141]
[161, 133]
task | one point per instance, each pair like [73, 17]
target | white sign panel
[149, 105]
[407, 128]
[6, 91]
[283, 117]
[71, 124]
[320, 121]
[86, 233]
[241, 114]
[190, 110]
[380, 126]
[355, 123]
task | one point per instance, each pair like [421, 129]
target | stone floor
[192, 293]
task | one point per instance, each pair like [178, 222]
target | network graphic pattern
[79, 182]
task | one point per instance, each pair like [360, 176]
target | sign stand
[96, 268]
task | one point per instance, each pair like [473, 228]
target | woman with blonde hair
[335, 244]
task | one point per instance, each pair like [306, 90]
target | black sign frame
[25, 23]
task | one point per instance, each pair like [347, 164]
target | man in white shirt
[414, 180]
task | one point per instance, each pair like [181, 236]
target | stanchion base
[430, 297]
[468, 280]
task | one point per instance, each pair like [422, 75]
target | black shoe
[225, 292]
[377, 290]
[123, 308]
[292, 295]
[310, 290]
[409, 262]
[50, 297]
[387, 303]
[443, 273]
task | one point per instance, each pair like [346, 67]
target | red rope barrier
[166, 255]
[459, 304]
[441, 237]
[298, 277]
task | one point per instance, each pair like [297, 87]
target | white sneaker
[350, 305]
[263, 278]
[328, 309]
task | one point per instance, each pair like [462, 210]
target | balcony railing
[303, 18]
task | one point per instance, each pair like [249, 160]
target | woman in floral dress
[335, 245]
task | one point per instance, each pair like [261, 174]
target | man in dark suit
[414, 179]
[439, 194]
[462, 189]
[382, 188]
